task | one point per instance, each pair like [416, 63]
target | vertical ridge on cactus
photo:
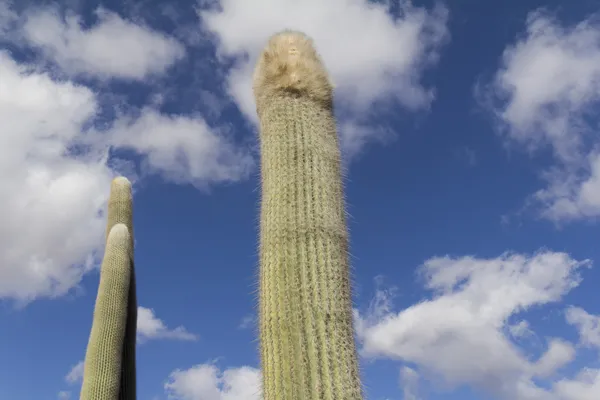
[109, 368]
[306, 326]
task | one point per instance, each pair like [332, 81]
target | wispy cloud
[75, 375]
[543, 95]
[249, 321]
[409, 381]
[64, 395]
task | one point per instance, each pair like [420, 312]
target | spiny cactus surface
[109, 369]
[306, 327]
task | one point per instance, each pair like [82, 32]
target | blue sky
[469, 133]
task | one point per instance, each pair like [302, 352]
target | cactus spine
[109, 369]
[306, 327]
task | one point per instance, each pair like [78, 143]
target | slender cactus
[109, 369]
[306, 327]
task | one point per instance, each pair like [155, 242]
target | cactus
[307, 347]
[109, 369]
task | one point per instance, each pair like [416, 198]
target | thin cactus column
[306, 327]
[109, 369]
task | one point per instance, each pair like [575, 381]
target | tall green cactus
[109, 369]
[306, 327]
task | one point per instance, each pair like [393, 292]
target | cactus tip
[121, 181]
[290, 63]
[118, 232]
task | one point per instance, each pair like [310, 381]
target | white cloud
[52, 201]
[586, 386]
[150, 327]
[549, 76]
[113, 47]
[369, 54]
[75, 375]
[182, 149]
[545, 92]
[588, 326]
[558, 354]
[468, 314]
[207, 382]
[572, 194]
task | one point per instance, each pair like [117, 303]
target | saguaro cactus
[306, 327]
[109, 369]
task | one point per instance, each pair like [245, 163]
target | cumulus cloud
[182, 148]
[558, 354]
[208, 382]
[587, 325]
[468, 314]
[543, 95]
[149, 326]
[384, 64]
[586, 386]
[52, 195]
[113, 47]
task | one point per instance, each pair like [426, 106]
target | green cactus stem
[306, 325]
[109, 369]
